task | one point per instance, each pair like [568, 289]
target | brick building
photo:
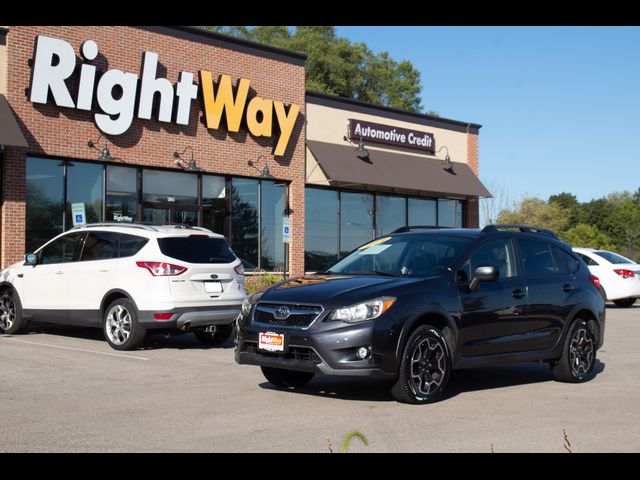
[176, 125]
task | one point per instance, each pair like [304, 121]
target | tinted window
[271, 244]
[449, 212]
[84, 185]
[122, 194]
[130, 244]
[215, 214]
[320, 228]
[391, 213]
[245, 220]
[613, 257]
[411, 256]
[536, 257]
[61, 250]
[570, 262]
[422, 211]
[197, 249]
[100, 246]
[169, 187]
[44, 201]
[356, 220]
[588, 260]
[496, 253]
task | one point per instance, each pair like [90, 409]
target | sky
[559, 106]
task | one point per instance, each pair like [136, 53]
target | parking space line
[73, 348]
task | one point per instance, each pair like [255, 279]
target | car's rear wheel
[425, 367]
[625, 302]
[120, 325]
[579, 355]
[11, 320]
[286, 378]
[217, 337]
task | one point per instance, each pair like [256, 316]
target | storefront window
[121, 204]
[214, 204]
[320, 229]
[44, 201]
[271, 244]
[449, 212]
[84, 185]
[245, 220]
[391, 213]
[422, 212]
[356, 220]
[169, 187]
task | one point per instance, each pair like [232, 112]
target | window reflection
[84, 185]
[121, 203]
[44, 201]
[271, 244]
[169, 187]
[391, 213]
[449, 212]
[422, 211]
[214, 204]
[356, 220]
[245, 219]
[320, 229]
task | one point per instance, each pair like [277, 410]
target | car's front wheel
[120, 325]
[625, 302]
[11, 320]
[425, 367]
[579, 355]
[286, 378]
[217, 337]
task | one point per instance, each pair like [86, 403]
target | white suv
[127, 279]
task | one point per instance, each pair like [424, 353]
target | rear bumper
[622, 289]
[185, 318]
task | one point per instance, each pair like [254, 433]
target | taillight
[239, 269]
[162, 269]
[162, 316]
[596, 281]
[624, 273]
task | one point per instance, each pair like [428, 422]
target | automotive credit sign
[401, 137]
[119, 96]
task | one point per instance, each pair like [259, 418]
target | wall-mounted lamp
[189, 166]
[446, 163]
[361, 151]
[105, 155]
[265, 173]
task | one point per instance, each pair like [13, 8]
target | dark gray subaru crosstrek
[419, 303]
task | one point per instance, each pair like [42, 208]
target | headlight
[249, 302]
[363, 311]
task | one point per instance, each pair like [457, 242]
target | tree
[588, 236]
[491, 207]
[339, 67]
[536, 212]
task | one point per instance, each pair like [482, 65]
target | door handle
[567, 288]
[59, 272]
[103, 271]
[517, 293]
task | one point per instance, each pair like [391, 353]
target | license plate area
[271, 342]
[213, 287]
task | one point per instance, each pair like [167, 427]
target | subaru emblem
[281, 313]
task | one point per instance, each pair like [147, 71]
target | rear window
[612, 257]
[197, 249]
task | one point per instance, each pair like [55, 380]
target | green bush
[258, 283]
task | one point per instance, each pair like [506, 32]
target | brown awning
[395, 171]
[10, 133]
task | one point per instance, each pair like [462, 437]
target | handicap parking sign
[78, 215]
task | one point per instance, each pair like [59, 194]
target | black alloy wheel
[578, 359]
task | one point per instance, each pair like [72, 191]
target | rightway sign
[401, 137]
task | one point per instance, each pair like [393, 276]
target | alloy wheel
[581, 352]
[7, 312]
[428, 367]
[118, 324]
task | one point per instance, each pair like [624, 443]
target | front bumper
[329, 348]
[186, 318]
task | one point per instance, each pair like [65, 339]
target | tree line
[611, 222]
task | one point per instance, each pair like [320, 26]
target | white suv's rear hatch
[214, 273]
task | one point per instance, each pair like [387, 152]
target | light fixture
[189, 166]
[362, 152]
[446, 163]
[105, 155]
[265, 173]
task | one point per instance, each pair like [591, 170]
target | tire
[286, 378]
[578, 360]
[625, 302]
[220, 336]
[425, 367]
[120, 325]
[11, 320]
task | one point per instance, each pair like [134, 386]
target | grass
[261, 281]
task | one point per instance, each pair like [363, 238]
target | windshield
[410, 256]
[613, 257]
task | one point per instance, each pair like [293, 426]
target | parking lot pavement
[64, 389]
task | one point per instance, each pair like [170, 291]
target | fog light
[364, 352]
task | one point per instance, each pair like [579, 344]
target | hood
[334, 289]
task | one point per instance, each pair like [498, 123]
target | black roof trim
[229, 42]
[389, 112]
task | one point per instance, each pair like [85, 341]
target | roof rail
[522, 228]
[410, 228]
[139, 226]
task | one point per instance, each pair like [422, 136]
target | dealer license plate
[272, 342]
[212, 287]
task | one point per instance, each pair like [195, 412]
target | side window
[587, 260]
[100, 246]
[131, 244]
[496, 253]
[62, 250]
[569, 260]
[537, 258]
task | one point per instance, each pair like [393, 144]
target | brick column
[472, 219]
[13, 206]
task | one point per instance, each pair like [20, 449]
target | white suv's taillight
[162, 269]
[239, 269]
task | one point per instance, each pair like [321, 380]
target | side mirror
[483, 274]
[30, 259]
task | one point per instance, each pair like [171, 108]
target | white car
[619, 276]
[127, 279]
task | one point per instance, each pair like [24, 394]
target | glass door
[159, 214]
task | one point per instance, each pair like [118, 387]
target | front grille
[300, 316]
[301, 354]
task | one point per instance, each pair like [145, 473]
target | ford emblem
[281, 313]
